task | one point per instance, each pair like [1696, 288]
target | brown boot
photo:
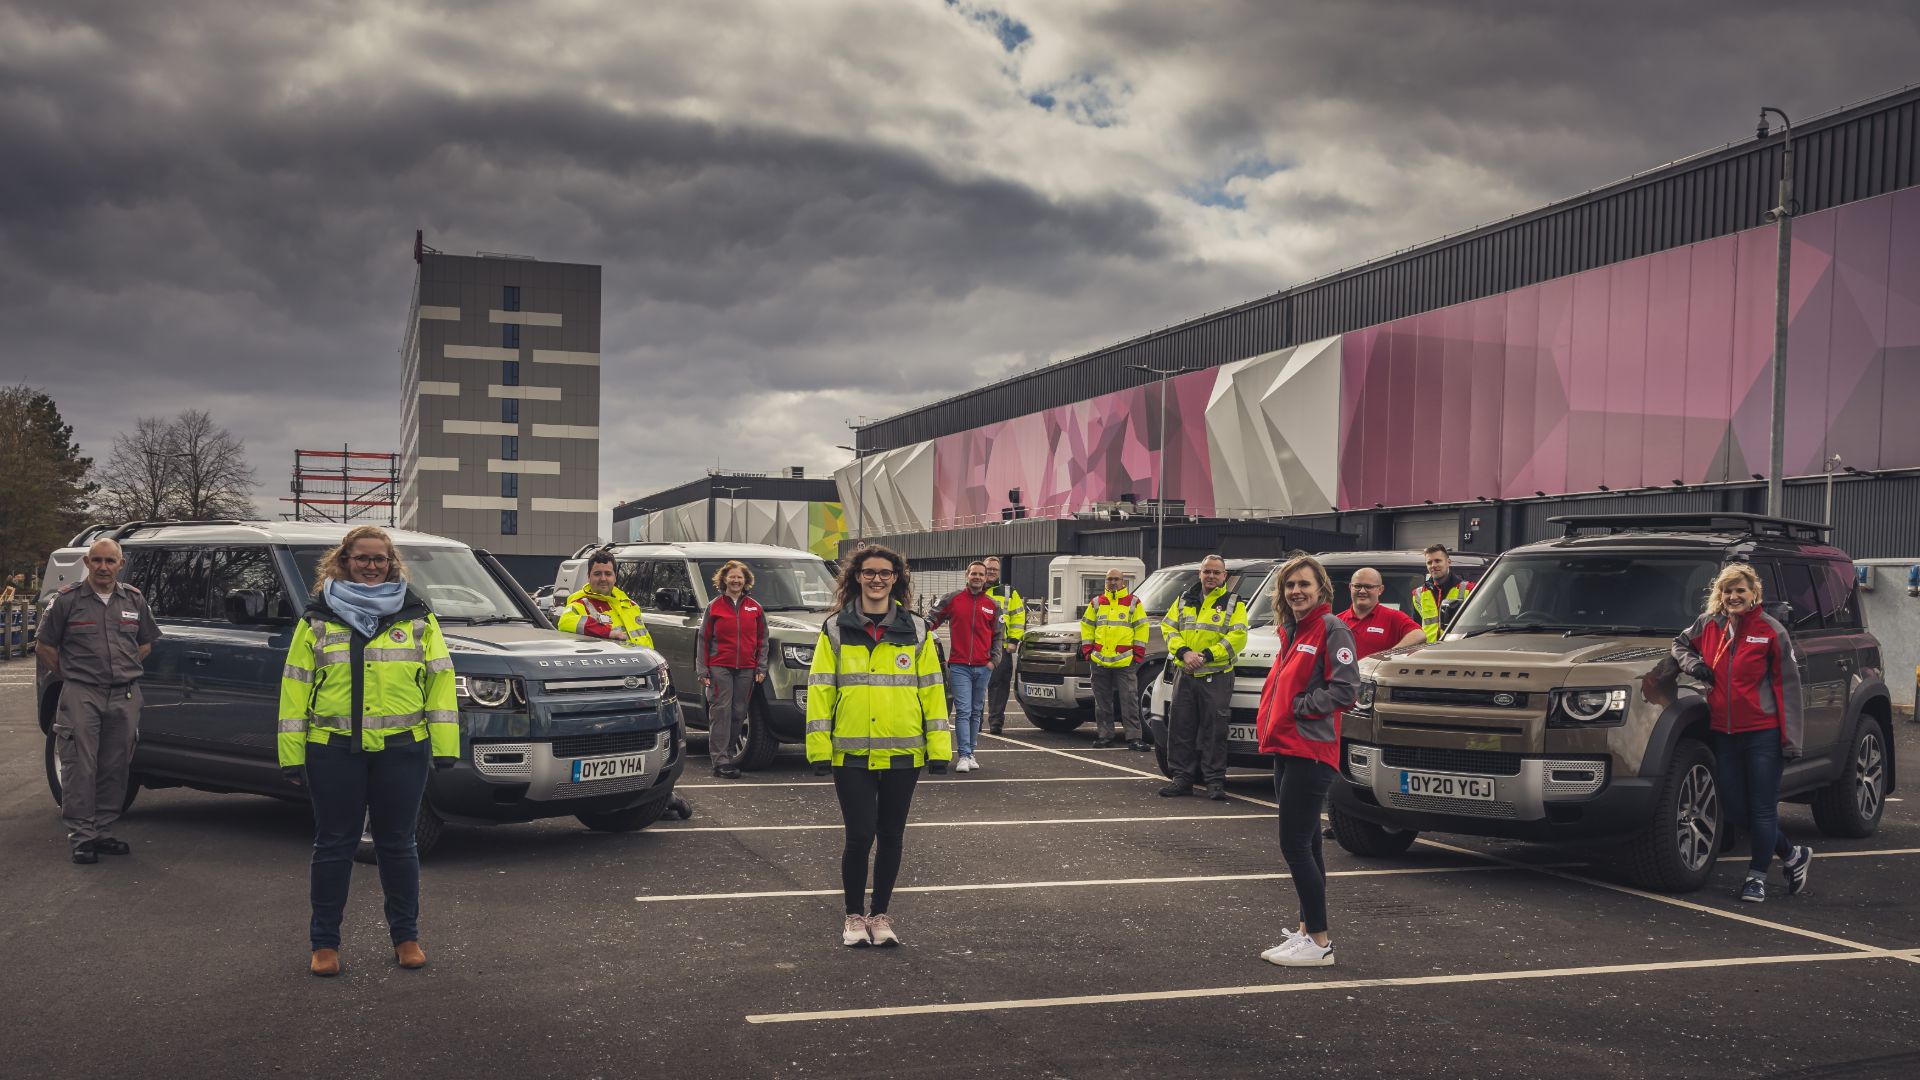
[410, 955]
[325, 962]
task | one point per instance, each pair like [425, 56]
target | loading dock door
[1412, 532]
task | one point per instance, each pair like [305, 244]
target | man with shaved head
[1376, 627]
[95, 639]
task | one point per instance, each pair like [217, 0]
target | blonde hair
[1734, 571]
[720, 575]
[1320, 582]
[333, 565]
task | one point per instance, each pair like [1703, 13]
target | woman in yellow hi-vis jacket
[876, 713]
[366, 703]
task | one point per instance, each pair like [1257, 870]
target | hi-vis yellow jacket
[581, 616]
[1214, 626]
[885, 700]
[1013, 611]
[1115, 625]
[406, 681]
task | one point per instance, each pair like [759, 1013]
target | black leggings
[873, 802]
[1300, 786]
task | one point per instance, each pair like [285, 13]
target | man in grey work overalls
[95, 637]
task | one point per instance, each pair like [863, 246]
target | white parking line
[1072, 756]
[1307, 987]
[675, 831]
[1840, 854]
[926, 783]
[1088, 883]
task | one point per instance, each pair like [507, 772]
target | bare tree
[141, 476]
[214, 479]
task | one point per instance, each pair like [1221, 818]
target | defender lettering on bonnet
[1461, 673]
[597, 661]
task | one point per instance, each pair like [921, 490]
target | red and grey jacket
[1312, 680]
[732, 637]
[976, 633]
[1748, 661]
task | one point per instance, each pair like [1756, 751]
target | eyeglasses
[1364, 588]
[370, 560]
[877, 575]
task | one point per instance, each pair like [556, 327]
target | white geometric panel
[1272, 423]
[898, 492]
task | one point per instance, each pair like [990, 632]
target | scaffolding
[344, 486]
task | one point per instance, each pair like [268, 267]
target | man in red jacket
[975, 640]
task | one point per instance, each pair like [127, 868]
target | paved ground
[1060, 921]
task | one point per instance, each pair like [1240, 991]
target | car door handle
[200, 657]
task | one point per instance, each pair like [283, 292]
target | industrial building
[500, 412]
[787, 509]
[1611, 351]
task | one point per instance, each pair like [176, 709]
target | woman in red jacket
[1312, 680]
[1745, 658]
[731, 660]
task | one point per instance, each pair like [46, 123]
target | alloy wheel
[1697, 822]
[1870, 771]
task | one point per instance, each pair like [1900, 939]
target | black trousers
[1197, 727]
[1300, 786]
[997, 687]
[874, 805]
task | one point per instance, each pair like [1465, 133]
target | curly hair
[846, 591]
[1320, 582]
[1733, 571]
[333, 565]
[728, 567]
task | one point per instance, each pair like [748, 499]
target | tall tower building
[500, 415]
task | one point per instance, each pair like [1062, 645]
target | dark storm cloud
[805, 213]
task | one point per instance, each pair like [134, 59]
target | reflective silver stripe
[295, 724]
[297, 674]
[444, 663]
[443, 716]
[823, 726]
[930, 680]
[394, 655]
[939, 725]
[867, 678]
[913, 742]
[419, 628]
[397, 720]
[820, 678]
[343, 637]
[1104, 621]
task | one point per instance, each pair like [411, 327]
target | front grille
[1632, 652]
[620, 742]
[1434, 759]
[1042, 680]
[1258, 674]
[600, 685]
[601, 787]
[504, 761]
[1461, 807]
[1474, 699]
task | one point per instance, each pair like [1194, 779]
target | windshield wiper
[495, 620]
[1520, 628]
[1648, 631]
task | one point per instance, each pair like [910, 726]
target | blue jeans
[1748, 768]
[967, 699]
[345, 788]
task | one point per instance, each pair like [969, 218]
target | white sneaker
[973, 763]
[962, 764]
[855, 933]
[1300, 952]
[880, 928]
[1286, 942]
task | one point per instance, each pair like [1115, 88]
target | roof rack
[134, 526]
[1751, 524]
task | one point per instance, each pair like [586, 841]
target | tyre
[1053, 721]
[56, 776]
[1366, 839]
[762, 744]
[1148, 675]
[632, 819]
[1851, 806]
[1160, 755]
[427, 830]
[1675, 851]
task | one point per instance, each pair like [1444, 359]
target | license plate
[1444, 786]
[609, 768]
[1038, 693]
[1241, 733]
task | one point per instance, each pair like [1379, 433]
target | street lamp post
[1833, 462]
[1783, 222]
[1160, 464]
[733, 506]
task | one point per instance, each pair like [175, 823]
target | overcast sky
[807, 211]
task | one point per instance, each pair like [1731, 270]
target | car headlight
[1363, 701]
[488, 691]
[1604, 706]
[800, 656]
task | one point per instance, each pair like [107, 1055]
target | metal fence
[19, 619]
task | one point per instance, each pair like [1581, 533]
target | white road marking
[1088, 883]
[926, 782]
[1307, 987]
[675, 830]
[1839, 854]
[1071, 756]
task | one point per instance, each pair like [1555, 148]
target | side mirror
[664, 600]
[246, 607]
[1448, 609]
[1781, 610]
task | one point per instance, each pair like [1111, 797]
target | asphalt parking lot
[1058, 919]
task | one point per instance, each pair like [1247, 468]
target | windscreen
[1595, 592]
[781, 584]
[450, 579]
[1397, 594]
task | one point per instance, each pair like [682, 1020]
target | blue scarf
[363, 606]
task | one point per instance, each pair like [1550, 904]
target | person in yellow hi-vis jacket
[876, 713]
[366, 703]
[1113, 635]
